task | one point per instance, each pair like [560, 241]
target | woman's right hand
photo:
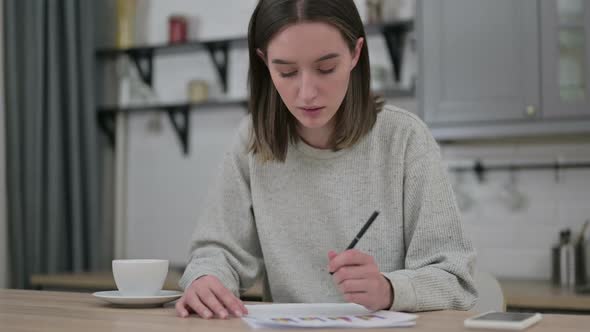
[208, 298]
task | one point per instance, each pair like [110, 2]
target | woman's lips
[312, 109]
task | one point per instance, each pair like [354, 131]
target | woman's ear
[357, 52]
[261, 55]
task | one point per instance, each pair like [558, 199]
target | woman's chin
[312, 123]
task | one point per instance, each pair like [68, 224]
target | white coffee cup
[140, 277]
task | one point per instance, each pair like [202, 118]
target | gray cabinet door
[479, 60]
[565, 40]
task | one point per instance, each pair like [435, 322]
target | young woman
[313, 160]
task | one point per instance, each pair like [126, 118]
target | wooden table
[518, 294]
[56, 311]
[542, 295]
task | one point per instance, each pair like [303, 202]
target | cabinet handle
[531, 111]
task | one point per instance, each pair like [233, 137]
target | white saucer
[114, 297]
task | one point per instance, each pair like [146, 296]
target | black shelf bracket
[106, 122]
[144, 61]
[180, 118]
[394, 35]
[219, 52]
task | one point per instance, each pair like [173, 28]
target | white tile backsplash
[516, 242]
[515, 263]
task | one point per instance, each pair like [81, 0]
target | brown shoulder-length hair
[274, 127]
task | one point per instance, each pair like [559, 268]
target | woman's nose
[308, 90]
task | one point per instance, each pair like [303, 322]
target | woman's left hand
[358, 277]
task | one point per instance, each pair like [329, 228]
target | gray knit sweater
[283, 218]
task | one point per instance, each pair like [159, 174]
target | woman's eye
[326, 71]
[289, 74]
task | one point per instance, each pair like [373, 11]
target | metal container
[581, 267]
[564, 261]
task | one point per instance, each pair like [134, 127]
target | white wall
[3, 228]
[166, 190]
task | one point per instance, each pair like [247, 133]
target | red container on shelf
[177, 29]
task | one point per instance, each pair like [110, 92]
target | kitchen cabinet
[479, 60]
[504, 68]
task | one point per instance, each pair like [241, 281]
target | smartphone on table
[503, 320]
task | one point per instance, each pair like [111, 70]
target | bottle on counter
[581, 248]
[563, 261]
[567, 261]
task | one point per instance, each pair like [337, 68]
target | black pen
[362, 231]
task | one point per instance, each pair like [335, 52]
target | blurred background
[115, 115]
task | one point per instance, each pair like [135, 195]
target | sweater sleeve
[225, 242]
[439, 260]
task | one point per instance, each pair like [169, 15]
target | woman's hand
[358, 277]
[208, 298]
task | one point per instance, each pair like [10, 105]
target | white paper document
[322, 315]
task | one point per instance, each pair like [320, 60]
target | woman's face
[310, 66]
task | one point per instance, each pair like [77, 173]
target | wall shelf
[143, 58]
[178, 114]
[166, 48]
